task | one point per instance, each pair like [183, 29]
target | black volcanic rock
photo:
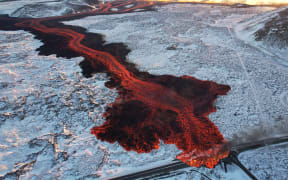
[275, 31]
[53, 8]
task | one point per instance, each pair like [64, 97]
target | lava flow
[149, 108]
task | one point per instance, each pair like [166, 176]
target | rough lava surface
[47, 107]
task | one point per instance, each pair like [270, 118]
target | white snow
[7, 7]
[246, 29]
[47, 108]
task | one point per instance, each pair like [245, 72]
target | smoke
[262, 132]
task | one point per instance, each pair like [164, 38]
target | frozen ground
[44, 8]
[47, 108]
[267, 162]
[270, 30]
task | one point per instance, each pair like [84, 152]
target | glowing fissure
[149, 107]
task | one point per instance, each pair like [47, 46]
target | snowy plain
[47, 107]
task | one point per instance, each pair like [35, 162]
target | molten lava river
[149, 108]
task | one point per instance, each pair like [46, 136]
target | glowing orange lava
[149, 108]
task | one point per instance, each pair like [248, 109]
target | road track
[149, 108]
[177, 165]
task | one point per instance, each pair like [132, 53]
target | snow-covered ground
[44, 8]
[47, 107]
[8, 7]
[270, 32]
[268, 162]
